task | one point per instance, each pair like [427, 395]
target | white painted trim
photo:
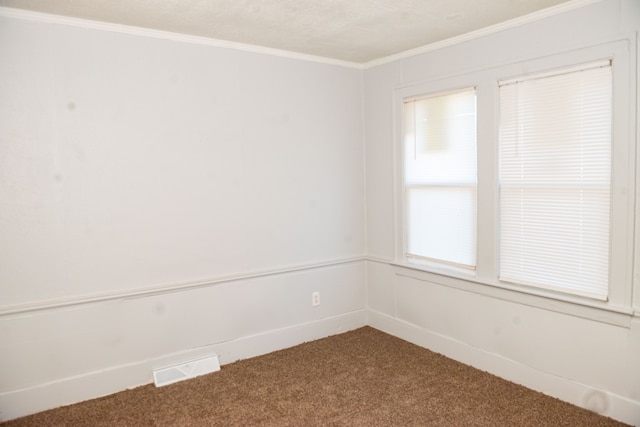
[167, 288]
[636, 210]
[615, 406]
[482, 32]
[66, 391]
[379, 259]
[206, 41]
[532, 297]
[617, 316]
[29, 15]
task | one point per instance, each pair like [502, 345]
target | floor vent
[185, 371]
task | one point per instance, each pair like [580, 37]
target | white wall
[588, 357]
[161, 200]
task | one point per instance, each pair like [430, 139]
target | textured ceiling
[350, 30]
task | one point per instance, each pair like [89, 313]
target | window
[555, 179]
[524, 181]
[440, 178]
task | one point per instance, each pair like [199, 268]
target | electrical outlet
[315, 298]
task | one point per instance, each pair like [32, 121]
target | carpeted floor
[360, 378]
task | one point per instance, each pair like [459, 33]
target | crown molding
[206, 41]
[47, 18]
[512, 23]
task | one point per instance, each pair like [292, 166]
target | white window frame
[414, 258]
[484, 280]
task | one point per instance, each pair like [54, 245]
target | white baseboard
[600, 401]
[66, 391]
[18, 403]
[256, 345]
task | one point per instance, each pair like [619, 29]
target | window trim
[402, 249]
[484, 280]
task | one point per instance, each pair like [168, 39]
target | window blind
[555, 175]
[440, 178]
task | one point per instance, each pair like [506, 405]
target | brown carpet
[360, 378]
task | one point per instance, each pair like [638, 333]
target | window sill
[546, 300]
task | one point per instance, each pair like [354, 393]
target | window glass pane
[440, 139]
[440, 177]
[442, 224]
[555, 168]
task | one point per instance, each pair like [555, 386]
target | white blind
[555, 174]
[440, 177]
